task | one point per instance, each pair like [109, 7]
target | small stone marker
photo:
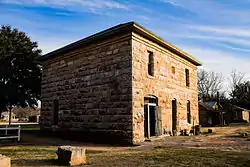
[70, 155]
[4, 161]
[210, 131]
[245, 135]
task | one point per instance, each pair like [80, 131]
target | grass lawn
[45, 156]
[34, 150]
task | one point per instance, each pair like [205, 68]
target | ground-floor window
[55, 109]
[188, 112]
[174, 115]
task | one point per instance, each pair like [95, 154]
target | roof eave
[97, 36]
[130, 26]
[159, 40]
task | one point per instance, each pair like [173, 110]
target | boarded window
[150, 63]
[187, 77]
[55, 109]
[188, 112]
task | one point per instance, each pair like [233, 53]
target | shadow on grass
[35, 162]
[94, 151]
[236, 136]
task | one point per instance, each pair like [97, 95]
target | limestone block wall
[93, 87]
[165, 84]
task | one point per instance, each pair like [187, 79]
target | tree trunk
[10, 110]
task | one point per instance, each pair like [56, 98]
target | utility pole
[220, 111]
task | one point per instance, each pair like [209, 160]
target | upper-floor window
[150, 63]
[188, 112]
[187, 77]
[173, 70]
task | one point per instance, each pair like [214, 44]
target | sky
[216, 32]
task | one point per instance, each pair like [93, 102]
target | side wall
[94, 89]
[164, 84]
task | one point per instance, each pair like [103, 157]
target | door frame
[148, 105]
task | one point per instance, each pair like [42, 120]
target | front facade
[121, 85]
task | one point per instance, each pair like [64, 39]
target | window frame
[173, 70]
[187, 77]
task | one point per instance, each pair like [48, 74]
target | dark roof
[240, 108]
[211, 103]
[205, 106]
[121, 28]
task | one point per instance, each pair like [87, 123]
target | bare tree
[25, 112]
[235, 79]
[209, 83]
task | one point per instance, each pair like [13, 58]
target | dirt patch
[216, 149]
[218, 140]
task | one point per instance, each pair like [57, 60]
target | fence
[11, 135]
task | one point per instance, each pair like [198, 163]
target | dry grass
[30, 155]
[171, 157]
[227, 130]
[45, 156]
[171, 151]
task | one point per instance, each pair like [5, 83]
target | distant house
[210, 113]
[5, 116]
[27, 114]
[236, 114]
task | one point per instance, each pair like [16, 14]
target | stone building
[121, 85]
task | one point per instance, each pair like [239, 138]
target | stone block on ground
[4, 161]
[245, 135]
[210, 130]
[71, 156]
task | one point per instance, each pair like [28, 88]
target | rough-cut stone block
[69, 155]
[4, 161]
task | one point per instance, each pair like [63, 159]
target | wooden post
[10, 116]
[19, 132]
[6, 132]
[193, 126]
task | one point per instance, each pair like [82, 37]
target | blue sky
[217, 32]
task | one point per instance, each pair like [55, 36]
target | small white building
[5, 116]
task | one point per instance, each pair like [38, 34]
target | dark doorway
[174, 114]
[150, 120]
[152, 117]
